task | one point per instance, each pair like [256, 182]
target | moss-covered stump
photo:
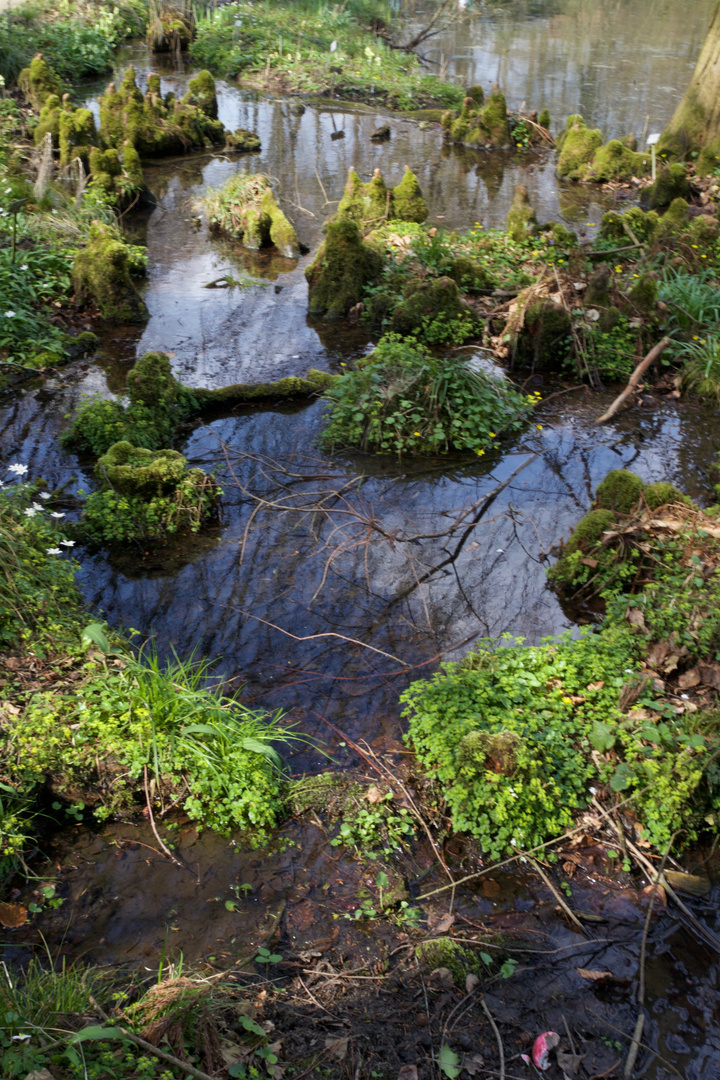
[480, 122]
[579, 146]
[72, 129]
[171, 30]
[425, 301]
[634, 225]
[472, 276]
[102, 274]
[544, 337]
[644, 294]
[373, 202]
[147, 495]
[671, 183]
[153, 125]
[245, 208]
[597, 293]
[343, 266]
[615, 161]
[201, 92]
[37, 81]
[242, 141]
[619, 491]
[522, 222]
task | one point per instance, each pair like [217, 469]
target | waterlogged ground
[257, 596]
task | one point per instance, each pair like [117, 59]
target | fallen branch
[635, 379]
[165, 849]
[568, 911]
[494, 1026]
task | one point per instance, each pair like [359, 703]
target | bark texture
[696, 123]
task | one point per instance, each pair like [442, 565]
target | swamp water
[231, 592]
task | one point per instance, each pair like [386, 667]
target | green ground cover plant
[405, 400]
[316, 48]
[76, 37]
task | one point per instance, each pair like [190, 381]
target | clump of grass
[701, 370]
[693, 299]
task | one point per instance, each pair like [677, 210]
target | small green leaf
[94, 634]
[449, 1062]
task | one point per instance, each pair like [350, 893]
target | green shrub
[501, 732]
[403, 399]
[701, 367]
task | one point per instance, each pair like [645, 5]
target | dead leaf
[408, 1072]
[671, 663]
[471, 982]
[442, 977]
[7, 706]
[636, 618]
[592, 563]
[569, 1063]
[338, 1047]
[490, 887]
[374, 794]
[688, 679]
[709, 674]
[439, 922]
[657, 654]
[472, 1064]
[596, 685]
[593, 975]
[12, 915]
[660, 894]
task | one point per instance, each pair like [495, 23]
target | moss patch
[246, 208]
[438, 298]
[443, 952]
[341, 270]
[522, 222]
[615, 161]
[37, 81]
[671, 183]
[102, 274]
[371, 203]
[578, 150]
[619, 491]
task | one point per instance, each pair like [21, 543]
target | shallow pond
[270, 599]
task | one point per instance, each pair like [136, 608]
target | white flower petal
[29, 512]
[44, 495]
[53, 551]
[19, 469]
[56, 514]
[68, 543]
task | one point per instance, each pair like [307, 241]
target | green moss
[522, 222]
[597, 293]
[292, 386]
[202, 93]
[493, 120]
[544, 119]
[644, 293]
[661, 493]
[708, 159]
[471, 275]
[438, 298]
[476, 95]
[407, 200]
[614, 161]
[76, 135]
[49, 120]
[366, 203]
[671, 183]
[443, 952]
[37, 81]
[609, 319]
[341, 270]
[545, 335]
[583, 539]
[642, 225]
[459, 128]
[619, 491]
[133, 470]
[242, 141]
[703, 230]
[101, 274]
[578, 150]
[572, 120]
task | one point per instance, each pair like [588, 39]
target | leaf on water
[13, 915]
[593, 975]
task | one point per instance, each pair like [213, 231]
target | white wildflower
[9, 314]
[54, 551]
[68, 543]
[19, 469]
[29, 512]
[44, 495]
[56, 514]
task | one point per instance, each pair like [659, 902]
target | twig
[312, 637]
[635, 379]
[610, 251]
[165, 849]
[150, 1047]
[494, 1026]
[640, 1022]
[568, 911]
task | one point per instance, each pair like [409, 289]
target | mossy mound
[154, 126]
[425, 301]
[633, 223]
[544, 119]
[373, 202]
[476, 95]
[118, 175]
[573, 119]
[644, 293]
[102, 274]
[292, 386]
[201, 92]
[37, 81]
[522, 222]
[597, 293]
[245, 207]
[578, 150]
[563, 236]
[242, 141]
[471, 275]
[443, 952]
[480, 122]
[615, 161]
[544, 337]
[671, 183]
[619, 491]
[171, 30]
[343, 266]
[147, 495]
[493, 121]
[662, 493]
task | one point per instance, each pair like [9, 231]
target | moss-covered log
[102, 274]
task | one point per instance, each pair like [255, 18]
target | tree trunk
[696, 123]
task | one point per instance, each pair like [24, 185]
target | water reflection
[614, 61]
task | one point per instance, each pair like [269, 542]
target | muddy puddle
[261, 597]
